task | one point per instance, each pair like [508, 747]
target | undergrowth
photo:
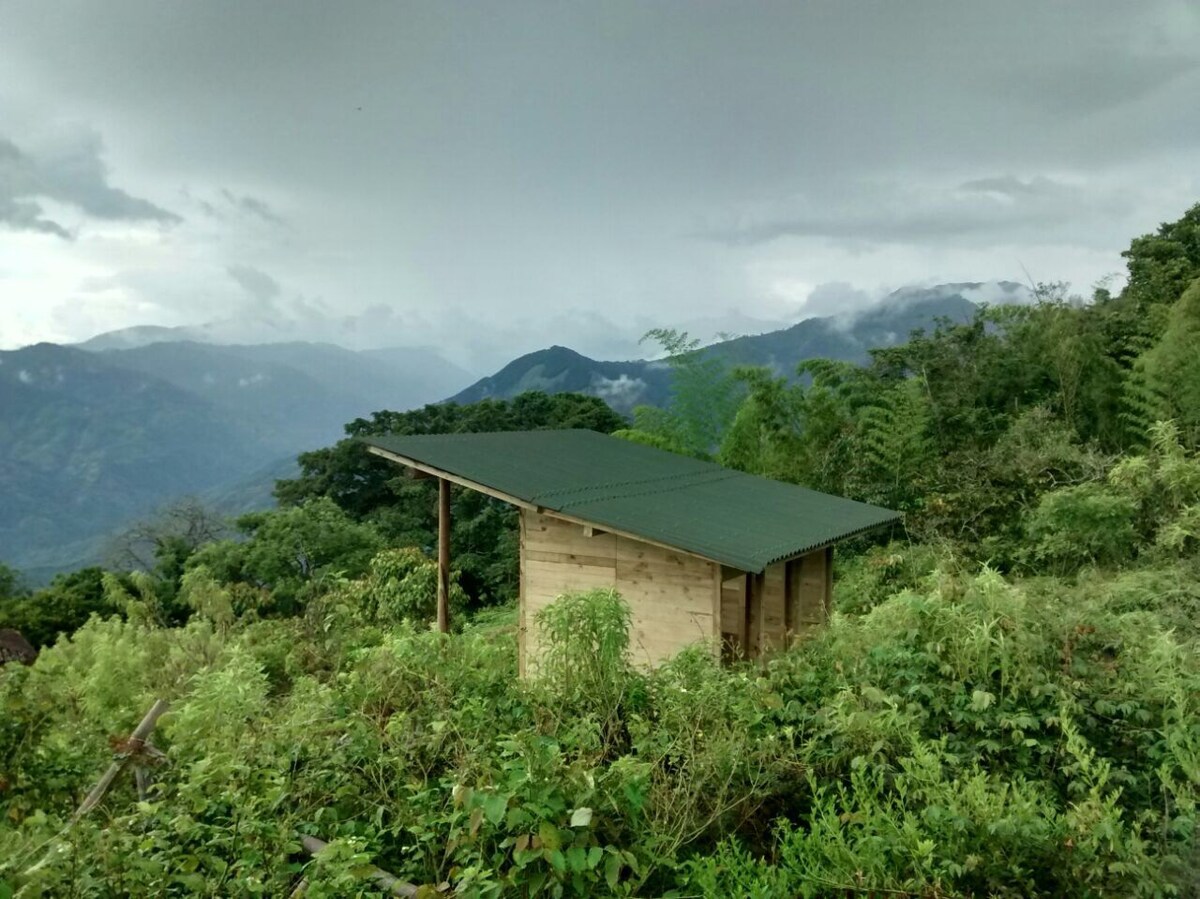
[968, 736]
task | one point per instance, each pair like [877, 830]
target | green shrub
[974, 738]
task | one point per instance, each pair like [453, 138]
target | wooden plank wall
[733, 613]
[795, 598]
[774, 610]
[674, 598]
[810, 590]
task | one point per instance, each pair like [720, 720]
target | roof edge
[547, 505]
[447, 475]
[528, 506]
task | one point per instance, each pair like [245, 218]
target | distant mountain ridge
[559, 369]
[849, 336]
[84, 444]
[295, 394]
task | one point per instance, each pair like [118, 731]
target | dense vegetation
[1004, 704]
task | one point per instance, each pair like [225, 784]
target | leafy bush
[974, 737]
[984, 738]
[401, 585]
[1149, 503]
[57, 609]
[866, 579]
[288, 551]
[1086, 524]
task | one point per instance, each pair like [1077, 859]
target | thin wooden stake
[132, 746]
[378, 876]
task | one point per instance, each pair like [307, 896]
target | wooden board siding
[733, 614]
[794, 599]
[773, 635]
[672, 596]
[810, 581]
[675, 598]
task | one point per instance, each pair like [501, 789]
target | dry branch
[378, 876]
[134, 745]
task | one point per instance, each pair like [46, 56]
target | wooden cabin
[701, 553]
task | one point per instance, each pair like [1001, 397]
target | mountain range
[96, 435]
[848, 336]
[92, 438]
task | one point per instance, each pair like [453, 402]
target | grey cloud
[252, 206]
[622, 392]
[25, 215]
[1015, 187]
[72, 173]
[529, 164]
[978, 209]
[18, 182]
[836, 298]
[257, 283]
[1070, 85]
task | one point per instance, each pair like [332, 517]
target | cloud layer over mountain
[470, 175]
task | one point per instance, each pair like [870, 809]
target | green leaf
[577, 858]
[494, 807]
[581, 817]
[982, 699]
[612, 870]
[549, 836]
[536, 881]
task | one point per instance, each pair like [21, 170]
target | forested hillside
[1006, 701]
[91, 441]
[85, 445]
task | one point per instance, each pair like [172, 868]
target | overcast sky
[495, 176]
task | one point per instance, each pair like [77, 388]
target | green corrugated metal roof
[728, 516]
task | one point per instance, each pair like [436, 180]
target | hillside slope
[92, 440]
[85, 443]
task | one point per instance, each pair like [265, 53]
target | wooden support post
[443, 597]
